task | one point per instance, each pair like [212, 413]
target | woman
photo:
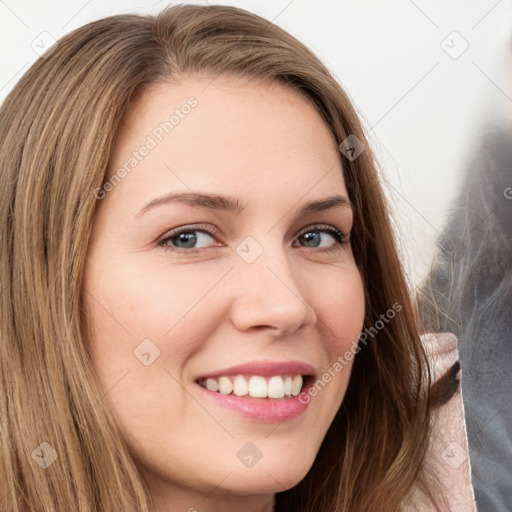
[271, 363]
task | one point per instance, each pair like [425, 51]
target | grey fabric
[471, 283]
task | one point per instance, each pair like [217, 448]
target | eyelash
[340, 238]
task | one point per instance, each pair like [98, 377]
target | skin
[264, 144]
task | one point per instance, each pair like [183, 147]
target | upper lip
[263, 368]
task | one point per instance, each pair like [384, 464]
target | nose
[269, 293]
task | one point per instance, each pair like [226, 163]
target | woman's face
[265, 282]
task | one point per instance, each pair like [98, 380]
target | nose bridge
[268, 292]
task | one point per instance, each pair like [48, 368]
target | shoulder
[448, 454]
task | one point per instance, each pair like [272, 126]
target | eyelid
[340, 235]
[206, 228]
[326, 227]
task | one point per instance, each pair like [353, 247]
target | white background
[423, 108]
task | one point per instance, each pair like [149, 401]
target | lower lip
[268, 410]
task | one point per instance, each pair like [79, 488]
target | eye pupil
[308, 237]
[187, 238]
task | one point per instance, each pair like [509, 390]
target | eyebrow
[231, 204]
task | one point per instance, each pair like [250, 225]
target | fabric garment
[448, 455]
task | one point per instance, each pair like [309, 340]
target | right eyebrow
[232, 204]
[204, 200]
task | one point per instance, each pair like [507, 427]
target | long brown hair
[57, 128]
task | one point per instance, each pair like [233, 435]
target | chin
[266, 477]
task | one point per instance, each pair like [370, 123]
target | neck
[171, 498]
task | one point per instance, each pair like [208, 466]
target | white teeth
[225, 386]
[296, 385]
[275, 387]
[288, 386]
[240, 386]
[258, 387]
[212, 385]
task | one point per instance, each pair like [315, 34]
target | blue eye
[184, 240]
[187, 237]
[312, 234]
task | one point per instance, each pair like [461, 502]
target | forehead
[203, 132]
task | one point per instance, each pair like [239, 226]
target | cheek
[341, 308]
[142, 331]
[170, 307]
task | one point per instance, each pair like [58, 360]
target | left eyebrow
[325, 204]
[231, 204]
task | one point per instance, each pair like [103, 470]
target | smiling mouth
[274, 387]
